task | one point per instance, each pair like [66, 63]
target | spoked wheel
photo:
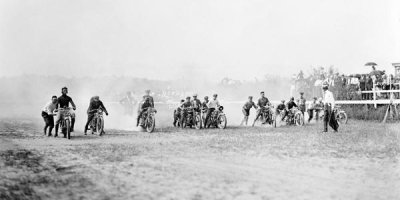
[99, 126]
[274, 121]
[68, 129]
[342, 118]
[151, 123]
[222, 121]
[197, 121]
[299, 119]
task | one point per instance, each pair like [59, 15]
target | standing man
[262, 103]
[63, 102]
[302, 103]
[246, 110]
[47, 114]
[329, 104]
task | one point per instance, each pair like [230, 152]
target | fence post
[374, 94]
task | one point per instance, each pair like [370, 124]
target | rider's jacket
[94, 105]
[248, 105]
[186, 104]
[64, 100]
[151, 100]
[204, 105]
[144, 105]
[263, 102]
[291, 104]
[196, 103]
[281, 106]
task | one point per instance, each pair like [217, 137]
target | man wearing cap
[143, 106]
[246, 110]
[177, 113]
[147, 95]
[302, 103]
[212, 105]
[281, 108]
[94, 105]
[262, 103]
[329, 104]
[314, 106]
[185, 105]
[196, 103]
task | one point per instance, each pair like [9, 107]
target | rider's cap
[147, 91]
[292, 98]
[206, 97]
[250, 97]
[262, 92]
[54, 97]
[64, 88]
[215, 95]
[315, 98]
[182, 100]
[301, 93]
[194, 95]
[187, 97]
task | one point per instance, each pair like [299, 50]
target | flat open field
[359, 162]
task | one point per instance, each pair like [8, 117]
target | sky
[207, 39]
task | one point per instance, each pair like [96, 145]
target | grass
[261, 162]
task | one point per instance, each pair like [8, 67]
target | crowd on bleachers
[348, 87]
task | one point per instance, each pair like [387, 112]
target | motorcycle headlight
[221, 108]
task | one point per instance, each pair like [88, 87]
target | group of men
[207, 107]
[327, 103]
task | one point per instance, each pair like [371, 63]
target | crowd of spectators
[348, 87]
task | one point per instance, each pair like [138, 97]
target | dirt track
[360, 162]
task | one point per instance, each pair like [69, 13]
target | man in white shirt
[212, 105]
[47, 114]
[329, 104]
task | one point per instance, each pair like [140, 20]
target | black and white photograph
[199, 100]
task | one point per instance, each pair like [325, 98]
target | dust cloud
[24, 96]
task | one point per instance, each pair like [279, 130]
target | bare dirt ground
[359, 162]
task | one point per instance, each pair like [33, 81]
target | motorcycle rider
[246, 110]
[47, 114]
[262, 103]
[177, 112]
[196, 103]
[281, 108]
[63, 102]
[143, 107]
[313, 107]
[95, 103]
[291, 104]
[185, 105]
[147, 95]
[212, 105]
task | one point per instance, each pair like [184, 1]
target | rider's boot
[137, 121]
[50, 129]
[44, 130]
[72, 124]
[56, 131]
[85, 131]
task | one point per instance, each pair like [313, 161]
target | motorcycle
[217, 119]
[148, 120]
[267, 115]
[192, 118]
[65, 122]
[295, 117]
[340, 114]
[97, 123]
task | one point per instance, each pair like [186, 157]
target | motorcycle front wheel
[150, 124]
[222, 121]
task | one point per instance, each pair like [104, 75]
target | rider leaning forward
[95, 104]
[262, 103]
[47, 114]
[143, 107]
[246, 110]
[63, 102]
[281, 108]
